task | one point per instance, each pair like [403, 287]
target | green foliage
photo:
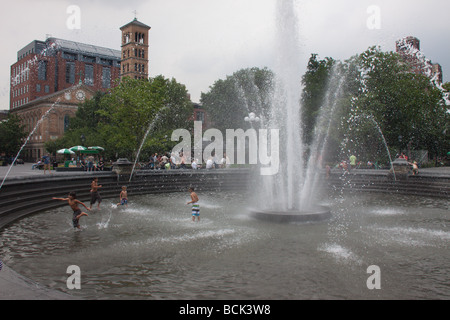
[315, 84]
[380, 93]
[12, 135]
[229, 101]
[407, 106]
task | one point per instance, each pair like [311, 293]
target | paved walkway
[14, 286]
[25, 171]
[22, 171]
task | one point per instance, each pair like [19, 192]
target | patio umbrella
[78, 148]
[65, 151]
[97, 148]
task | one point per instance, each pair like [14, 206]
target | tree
[143, 109]
[230, 100]
[378, 98]
[315, 84]
[408, 106]
[12, 135]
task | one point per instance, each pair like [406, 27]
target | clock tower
[134, 61]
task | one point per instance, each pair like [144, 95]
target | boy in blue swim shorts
[123, 197]
[195, 205]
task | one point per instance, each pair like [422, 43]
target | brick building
[57, 74]
[58, 107]
[46, 67]
[409, 49]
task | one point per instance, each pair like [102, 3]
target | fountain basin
[318, 213]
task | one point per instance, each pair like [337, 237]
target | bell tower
[134, 62]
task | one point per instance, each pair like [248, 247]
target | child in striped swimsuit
[195, 205]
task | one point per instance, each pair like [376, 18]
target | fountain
[152, 250]
[355, 119]
[293, 186]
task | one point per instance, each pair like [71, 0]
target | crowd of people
[171, 161]
[351, 163]
[89, 163]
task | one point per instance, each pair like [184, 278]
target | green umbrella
[89, 152]
[65, 151]
[78, 148]
[97, 148]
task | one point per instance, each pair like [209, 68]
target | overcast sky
[200, 41]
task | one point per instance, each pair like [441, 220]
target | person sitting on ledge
[415, 167]
[36, 165]
[100, 165]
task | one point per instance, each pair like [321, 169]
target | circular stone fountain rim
[318, 213]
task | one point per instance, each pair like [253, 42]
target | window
[106, 77]
[70, 72]
[200, 116]
[69, 56]
[46, 89]
[89, 75]
[89, 59]
[38, 88]
[66, 122]
[42, 70]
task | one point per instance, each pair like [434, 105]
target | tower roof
[136, 23]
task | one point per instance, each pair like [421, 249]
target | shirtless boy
[73, 203]
[95, 196]
[123, 197]
[195, 205]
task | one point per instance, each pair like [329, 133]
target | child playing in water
[73, 203]
[95, 195]
[195, 205]
[123, 197]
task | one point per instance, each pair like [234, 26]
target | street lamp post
[252, 118]
[83, 140]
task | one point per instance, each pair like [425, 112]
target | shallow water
[152, 250]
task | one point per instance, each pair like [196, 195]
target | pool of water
[153, 250]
